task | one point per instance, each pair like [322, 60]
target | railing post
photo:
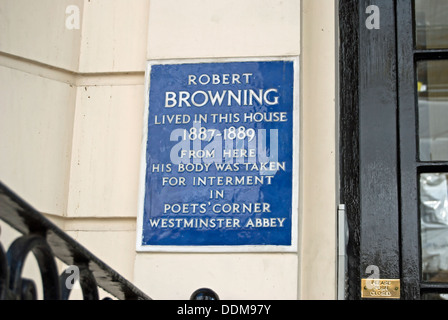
[17, 254]
[4, 276]
[204, 294]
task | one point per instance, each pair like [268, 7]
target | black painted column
[379, 207]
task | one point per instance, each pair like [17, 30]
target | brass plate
[380, 288]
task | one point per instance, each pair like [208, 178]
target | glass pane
[431, 24]
[434, 226]
[433, 109]
[435, 296]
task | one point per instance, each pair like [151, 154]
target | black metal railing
[48, 242]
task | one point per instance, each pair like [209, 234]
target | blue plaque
[219, 158]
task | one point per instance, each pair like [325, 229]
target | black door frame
[379, 164]
[410, 165]
[369, 168]
[410, 225]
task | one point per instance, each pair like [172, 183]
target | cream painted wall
[71, 109]
[106, 151]
[208, 29]
[114, 36]
[231, 28]
[319, 149]
[36, 30]
[36, 125]
[214, 29]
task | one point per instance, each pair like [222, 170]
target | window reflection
[434, 226]
[433, 109]
[435, 296]
[431, 24]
